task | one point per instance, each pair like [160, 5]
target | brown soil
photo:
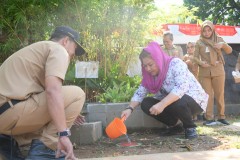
[149, 142]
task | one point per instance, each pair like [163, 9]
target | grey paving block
[138, 120]
[86, 133]
[94, 117]
[96, 107]
[112, 107]
[135, 121]
[150, 122]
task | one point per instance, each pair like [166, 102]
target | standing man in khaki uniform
[169, 47]
[34, 106]
[208, 55]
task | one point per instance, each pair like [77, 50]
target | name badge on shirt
[207, 50]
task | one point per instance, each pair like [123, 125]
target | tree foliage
[111, 31]
[23, 22]
[226, 12]
[171, 14]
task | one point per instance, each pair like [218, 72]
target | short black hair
[169, 34]
[57, 36]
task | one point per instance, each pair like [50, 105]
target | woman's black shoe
[176, 130]
[191, 133]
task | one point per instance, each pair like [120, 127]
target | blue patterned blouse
[179, 81]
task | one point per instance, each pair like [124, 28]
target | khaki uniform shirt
[176, 51]
[193, 68]
[24, 72]
[202, 53]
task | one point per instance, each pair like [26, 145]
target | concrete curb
[100, 115]
[233, 154]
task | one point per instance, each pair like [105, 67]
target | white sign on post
[86, 69]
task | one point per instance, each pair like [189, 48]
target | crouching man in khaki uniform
[34, 106]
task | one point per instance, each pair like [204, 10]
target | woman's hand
[126, 113]
[204, 64]
[189, 63]
[156, 109]
[219, 45]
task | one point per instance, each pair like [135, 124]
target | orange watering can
[116, 128]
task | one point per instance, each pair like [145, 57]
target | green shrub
[120, 92]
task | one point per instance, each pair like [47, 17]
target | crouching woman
[177, 93]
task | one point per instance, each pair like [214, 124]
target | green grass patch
[228, 135]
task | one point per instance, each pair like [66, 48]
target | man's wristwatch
[66, 132]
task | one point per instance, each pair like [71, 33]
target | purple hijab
[162, 60]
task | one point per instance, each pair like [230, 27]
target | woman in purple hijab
[177, 93]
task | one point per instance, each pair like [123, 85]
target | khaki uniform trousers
[30, 119]
[214, 87]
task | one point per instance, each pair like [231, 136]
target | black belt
[6, 105]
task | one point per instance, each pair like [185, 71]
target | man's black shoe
[176, 130]
[9, 149]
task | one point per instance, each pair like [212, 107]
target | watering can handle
[123, 118]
